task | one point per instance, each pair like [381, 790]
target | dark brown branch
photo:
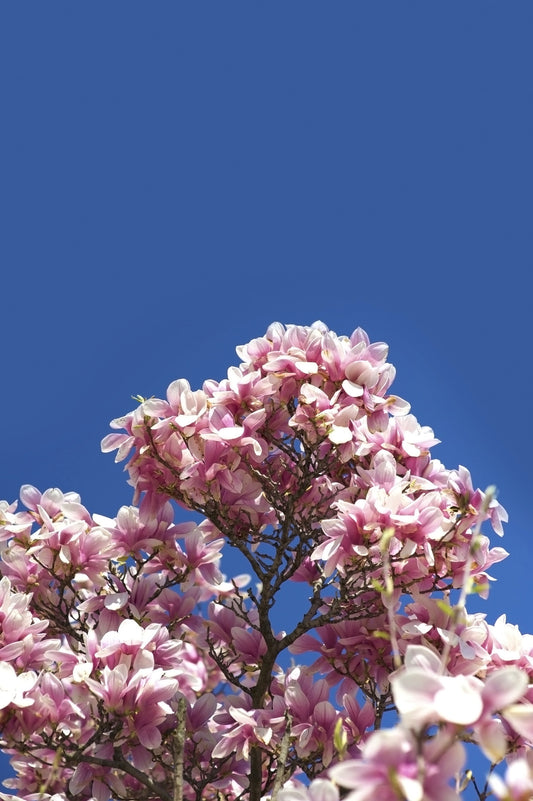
[126, 767]
[256, 774]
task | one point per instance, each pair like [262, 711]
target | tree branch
[178, 749]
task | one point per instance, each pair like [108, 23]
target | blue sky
[176, 176]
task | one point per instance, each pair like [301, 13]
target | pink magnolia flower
[508, 646]
[318, 790]
[13, 686]
[241, 728]
[391, 767]
[424, 695]
[517, 784]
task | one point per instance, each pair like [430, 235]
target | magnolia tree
[132, 668]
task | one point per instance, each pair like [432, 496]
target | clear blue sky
[175, 176]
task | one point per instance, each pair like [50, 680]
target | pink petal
[520, 716]
[149, 736]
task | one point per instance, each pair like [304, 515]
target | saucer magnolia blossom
[343, 664]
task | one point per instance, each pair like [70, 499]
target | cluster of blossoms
[132, 668]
